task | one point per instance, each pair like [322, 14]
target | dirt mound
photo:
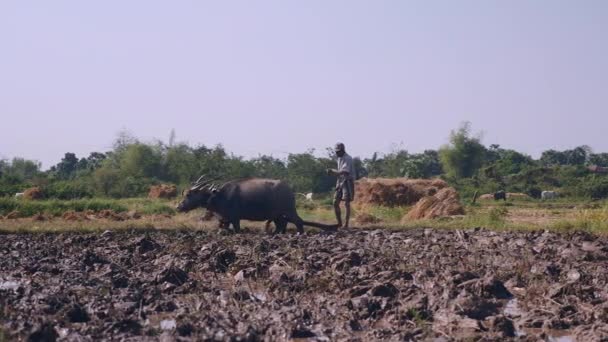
[394, 192]
[445, 203]
[12, 215]
[73, 216]
[112, 215]
[39, 217]
[166, 191]
[33, 194]
[365, 218]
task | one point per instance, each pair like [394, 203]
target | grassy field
[559, 215]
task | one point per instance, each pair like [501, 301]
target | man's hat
[339, 147]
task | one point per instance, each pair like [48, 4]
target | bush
[67, 190]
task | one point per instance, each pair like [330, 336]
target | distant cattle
[547, 195]
[308, 196]
[19, 195]
[500, 195]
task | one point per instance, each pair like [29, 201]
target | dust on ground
[358, 285]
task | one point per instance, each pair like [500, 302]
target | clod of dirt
[494, 288]
[127, 326]
[173, 275]
[300, 331]
[477, 308]
[120, 281]
[77, 314]
[90, 258]
[44, 333]
[223, 260]
[385, 290]
[168, 324]
[145, 244]
[185, 329]
[502, 325]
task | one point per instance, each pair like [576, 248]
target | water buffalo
[546, 195]
[253, 199]
[500, 195]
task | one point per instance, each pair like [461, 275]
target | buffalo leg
[236, 224]
[280, 225]
[295, 219]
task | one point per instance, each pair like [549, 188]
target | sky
[274, 77]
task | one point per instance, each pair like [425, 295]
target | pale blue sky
[284, 76]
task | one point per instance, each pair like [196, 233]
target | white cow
[19, 195]
[308, 196]
[547, 195]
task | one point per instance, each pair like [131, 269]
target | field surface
[416, 284]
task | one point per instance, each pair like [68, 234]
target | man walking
[345, 185]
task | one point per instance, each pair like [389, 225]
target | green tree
[181, 164]
[269, 167]
[66, 168]
[464, 155]
[140, 160]
[307, 173]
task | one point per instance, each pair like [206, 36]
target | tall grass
[593, 220]
[26, 208]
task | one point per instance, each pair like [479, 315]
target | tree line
[132, 166]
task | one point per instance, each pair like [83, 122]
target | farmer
[345, 185]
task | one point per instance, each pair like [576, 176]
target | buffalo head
[197, 196]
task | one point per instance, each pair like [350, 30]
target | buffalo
[547, 195]
[500, 195]
[253, 199]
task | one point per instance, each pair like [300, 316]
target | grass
[559, 215]
[26, 208]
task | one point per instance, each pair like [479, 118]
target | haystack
[445, 203]
[166, 191]
[33, 194]
[394, 192]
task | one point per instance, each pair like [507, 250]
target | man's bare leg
[347, 214]
[337, 211]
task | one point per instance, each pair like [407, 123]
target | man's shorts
[345, 191]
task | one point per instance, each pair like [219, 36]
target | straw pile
[445, 203]
[166, 191]
[33, 193]
[394, 192]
